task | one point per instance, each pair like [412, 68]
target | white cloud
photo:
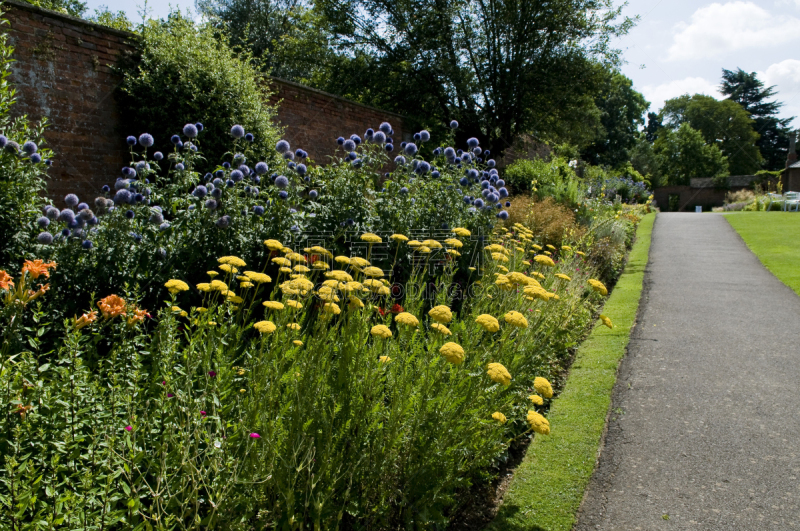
[786, 78]
[720, 28]
[658, 94]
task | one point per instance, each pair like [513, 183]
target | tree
[749, 92]
[76, 8]
[645, 161]
[622, 110]
[724, 124]
[683, 154]
[654, 125]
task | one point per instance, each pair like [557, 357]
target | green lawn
[548, 486]
[774, 237]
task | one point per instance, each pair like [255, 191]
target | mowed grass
[547, 488]
[774, 237]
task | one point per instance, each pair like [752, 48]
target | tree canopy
[683, 154]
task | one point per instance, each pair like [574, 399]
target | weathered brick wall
[314, 119]
[62, 73]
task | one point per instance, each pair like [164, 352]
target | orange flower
[112, 306]
[37, 268]
[35, 294]
[85, 320]
[6, 280]
[137, 317]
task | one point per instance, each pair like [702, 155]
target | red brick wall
[62, 73]
[314, 119]
[689, 197]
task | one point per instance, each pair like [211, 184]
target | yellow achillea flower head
[452, 352]
[342, 260]
[327, 293]
[246, 284]
[566, 248]
[516, 319]
[352, 286]
[297, 343]
[580, 253]
[204, 286]
[319, 264]
[502, 268]
[273, 245]
[488, 323]
[285, 269]
[218, 285]
[371, 238]
[234, 298]
[424, 249]
[297, 305]
[228, 268]
[398, 237]
[461, 231]
[232, 260]
[453, 252]
[536, 399]
[212, 274]
[414, 243]
[562, 276]
[433, 244]
[441, 314]
[494, 248]
[405, 318]
[321, 250]
[301, 269]
[258, 278]
[442, 329]
[499, 417]
[176, 286]
[498, 373]
[537, 292]
[273, 305]
[372, 271]
[538, 423]
[358, 261]
[598, 286]
[606, 321]
[381, 331]
[355, 303]
[331, 308]
[265, 327]
[520, 278]
[543, 387]
[384, 359]
[537, 247]
[544, 260]
[550, 247]
[499, 257]
[293, 326]
[340, 276]
[296, 257]
[281, 261]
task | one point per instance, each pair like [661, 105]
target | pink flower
[203, 413]
[164, 382]
[255, 436]
[170, 395]
[212, 374]
[129, 428]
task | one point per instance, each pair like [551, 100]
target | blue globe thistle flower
[291, 165]
[486, 193]
[161, 252]
[459, 166]
[282, 146]
[128, 172]
[261, 168]
[369, 132]
[493, 171]
[190, 208]
[190, 130]
[36, 158]
[491, 163]
[501, 182]
[175, 139]
[356, 139]
[281, 181]
[138, 198]
[477, 150]
[71, 200]
[352, 155]
[87, 244]
[179, 145]
[193, 147]
[207, 177]
[389, 148]
[224, 222]
[410, 149]
[473, 142]
[463, 181]
[283, 194]
[136, 237]
[142, 166]
[459, 153]
[423, 167]
[216, 183]
[200, 192]
[473, 174]
[301, 169]
[236, 176]
[245, 169]
[131, 140]
[123, 196]
[258, 210]
[499, 206]
[479, 203]
[229, 183]
[81, 206]
[435, 174]
[29, 148]
[503, 192]
[437, 152]
[130, 214]
[179, 166]
[288, 155]
[404, 190]
[65, 233]
[85, 214]
[199, 126]
[379, 137]
[424, 135]
[349, 145]
[444, 225]
[313, 194]
[256, 179]
[487, 152]
[450, 153]
[356, 163]
[453, 124]
[417, 137]
[467, 200]
[158, 156]
[12, 147]
[508, 204]
[52, 212]
[400, 160]
[402, 145]
[247, 189]
[466, 157]
[43, 221]
[217, 192]
[237, 131]
[45, 238]
[386, 128]
[210, 204]
[92, 222]
[255, 191]
[3, 141]
[340, 140]
[249, 137]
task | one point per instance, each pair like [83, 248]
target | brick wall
[62, 73]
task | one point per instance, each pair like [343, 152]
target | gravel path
[704, 432]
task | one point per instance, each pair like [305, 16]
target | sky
[678, 46]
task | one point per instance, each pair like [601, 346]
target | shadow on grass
[506, 521]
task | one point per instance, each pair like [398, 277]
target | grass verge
[548, 486]
[774, 237]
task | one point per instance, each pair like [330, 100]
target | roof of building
[795, 165]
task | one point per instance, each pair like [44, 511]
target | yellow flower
[516, 319]
[414, 243]
[296, 257]
[538, 423]
[520, 278]
[537, 247]
[340, 276]
[175, 286]
[327, 293]
[539, 275]
[499, 417]
[563, 277]
[598, 286]
[502, 268]
[385, 359]
[212, 323]
[297, 343]
[580, 253]
[494, 248]
[204, 286]
[424, 249]
[201, 309]
[321, 250]
[433, 244]
[442, 329]
[265, 327]
[273, 305]
[498, 373]
[297, 305]
[258, 278]
[536, 399]
[453, 252]
[461, 231]
[543, 387]
[246, 284]
[281, 261]
[352, 286]
[371, 238]
[358, 261]
[332, 308]
[381, 331]
[212, 274]
[441, 314]
[544, 260]
[319, 264]
[355, 303]
[342, 260]
[452, 352]
[218, 285]
[228, 268]
[301, 269]
[273, 245]
[232, 260]
[398, 238]
[234, 298]
[488, 323]
[405, 318]
[606, 321]
[566, 248]
[537, 292]
[285, 269]
[373, 272]
[293, 326]
[548, 253]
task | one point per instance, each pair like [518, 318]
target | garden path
[704, 431]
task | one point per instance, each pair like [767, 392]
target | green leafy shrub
[555, 178]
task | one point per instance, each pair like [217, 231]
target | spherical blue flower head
[479, 203]
[313, 194]
[85, 214]
[378, 137]
[141, 166]
[281, 181]
[158, 156]
[508, 204]
[404, 190]
[301, 169]
[369, 133]
[459, 153]
[179, 166]
[435, 174]
[402, 145]
[210, 204]
[247, 189]
[283, 194]
[65, 233]
[437, 152]
[131, 140]
[356, 163]
[424, 135]
[410, 149]
[87, 244]
[190, 130]
[29, 148]
[400, 160]
[349, 145]
[356, 139]
[236, 176]
[45, 238]
[92, 222]
[473, 142]
[466, 157]
[423, 167]
[417, 137]
[467, 200]
[352, 155]
[491, 163]
[453, 124]
[175, 139]
[255, 191]
[237, 131]
[81, 206]
[43, 221]
[256, 179]
[258, 210]
[493, 179]
[463, 181]
[130, 214]
[472, 173]
[71, 200]
[193, 147]
[217, 192]
[486, 193]
[386, 128]
[477, 150]
[216, 183]
[52, 212]
[3, 141]
[224, 222]
[503, 192]
[501, 182]
[450, 153]
[499, 206]
[136, 237]
[229, 183]
[485, 185]
[200, 192]
[249, 137]
[288, 155]
[340, 140]
[389, 148]
[36, 158]
[245, 169]
[282, 146]
[128, 172]
[502, 215]
[12, 147]
[459, 166]
[291, 165]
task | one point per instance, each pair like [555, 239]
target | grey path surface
[705, 424]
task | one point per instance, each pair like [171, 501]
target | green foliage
[76, 8]
[684, 155]
[555, 178]
[645, 161]
[117, 20]
[183, 71]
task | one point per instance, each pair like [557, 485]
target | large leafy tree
[724, 124]
[76, 8]
[749, 92]
[683, 154]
